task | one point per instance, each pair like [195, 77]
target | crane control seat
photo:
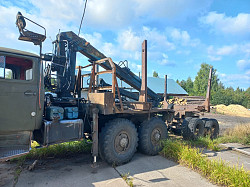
[25, 34]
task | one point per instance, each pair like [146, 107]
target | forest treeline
[219, 93]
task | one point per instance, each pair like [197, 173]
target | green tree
[189, 86]
[183, 84]
[201, 80]
[8, 74]
[246, 100]
[155, 74]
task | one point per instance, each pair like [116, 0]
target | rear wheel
[193, 129]
[206, 130]
[212, 127]
[185, 131]
[150, 135]
[119, 140]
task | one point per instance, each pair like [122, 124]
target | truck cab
[21, 100]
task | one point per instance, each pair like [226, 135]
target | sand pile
[233, 110]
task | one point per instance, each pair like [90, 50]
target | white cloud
[214, 58]
[235, 80]
[95, 39]
[129, 40]
[220, 23]
[134, 67]
[110, 13]
[215, 54]
[164, 60]
[243, 64]
[157, 39]
[178, 9]
[245, 48]
[183, 37]
[221, 74]
[224, 50]
[185, 52]
[129, 44]
[114, 14]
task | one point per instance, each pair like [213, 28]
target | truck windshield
[15, 68]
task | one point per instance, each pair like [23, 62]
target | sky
[181, 34]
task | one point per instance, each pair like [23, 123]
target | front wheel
[119, 140]
[150, 135]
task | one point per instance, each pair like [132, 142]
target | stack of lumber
[177, 101]
[193, 100]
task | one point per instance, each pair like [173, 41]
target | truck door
[19, 89]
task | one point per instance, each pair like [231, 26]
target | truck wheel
[150, 135]
[193, 129]
[185, 131]
[212, 127]
[206, 130]
[119, 140]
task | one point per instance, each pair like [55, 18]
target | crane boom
[85, 48]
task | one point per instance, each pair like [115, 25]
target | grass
[59, 150]
[205, 142]
[216, 171]
[127, 179]
[238, 134]
[55, 151]
[18, 169]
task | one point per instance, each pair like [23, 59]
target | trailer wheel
[185, 131]
[119, 140]
[193, 129]
[206, 129]
[212, 127]
[150, 135]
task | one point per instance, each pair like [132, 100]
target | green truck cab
[21, 100]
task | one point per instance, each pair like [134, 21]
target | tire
[193, 129]
[206, 130]
[212, 127]
[100, 146]
[150, 135]
[188, 118]
[185, 131]
[119, 140]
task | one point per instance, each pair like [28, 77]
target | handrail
[93, 74]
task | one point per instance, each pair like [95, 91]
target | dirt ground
[226, 121]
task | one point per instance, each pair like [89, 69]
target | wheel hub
[155, 136]
[121, 142]
[124, 142]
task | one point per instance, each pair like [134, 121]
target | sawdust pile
[233, 110]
